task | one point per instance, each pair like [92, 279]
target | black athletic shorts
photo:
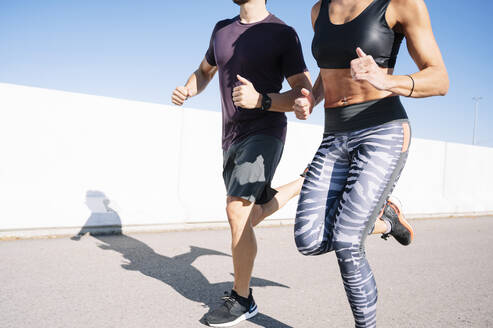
[249, 166]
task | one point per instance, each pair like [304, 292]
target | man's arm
[283, 102]
[245, 95]
[303, 105]
[196, 83]
[318, 91]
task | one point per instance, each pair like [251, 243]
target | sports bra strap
[324, 4]
[324, 9]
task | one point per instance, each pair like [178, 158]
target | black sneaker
[234, 310]
[401, 230]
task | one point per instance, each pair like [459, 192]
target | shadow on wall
[104, 224]
[103, 220]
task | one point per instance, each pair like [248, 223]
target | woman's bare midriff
[341, 90]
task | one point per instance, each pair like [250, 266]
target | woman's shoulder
[408, 7]
[316, 7]
[316, 10]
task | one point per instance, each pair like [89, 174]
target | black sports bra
[334, 46]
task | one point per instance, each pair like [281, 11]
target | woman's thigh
[377, 158]
[323, 186]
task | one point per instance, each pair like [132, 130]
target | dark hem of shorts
[250, 199]
[260, 201]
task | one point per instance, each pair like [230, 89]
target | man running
[253, 53]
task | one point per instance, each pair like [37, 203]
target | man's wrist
[259, 100]
[266, 102]
[190, 92]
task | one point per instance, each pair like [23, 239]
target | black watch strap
[266, 102]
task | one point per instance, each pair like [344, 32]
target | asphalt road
[444, 279]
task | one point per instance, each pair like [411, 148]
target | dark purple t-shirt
[264, 53]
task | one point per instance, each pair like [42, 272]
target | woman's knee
[311, 247]
[310, 234]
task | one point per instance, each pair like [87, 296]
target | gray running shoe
[234, 310]
[401, 230]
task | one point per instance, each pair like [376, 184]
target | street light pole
[476, 108]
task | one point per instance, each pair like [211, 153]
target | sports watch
[266, 102]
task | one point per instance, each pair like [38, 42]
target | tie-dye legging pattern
[346, 186]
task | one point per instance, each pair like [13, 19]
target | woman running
[367, 133]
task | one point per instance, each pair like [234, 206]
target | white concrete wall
[62, 154]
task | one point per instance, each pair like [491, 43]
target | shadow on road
[178, 271]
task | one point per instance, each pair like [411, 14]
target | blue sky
[141, 50]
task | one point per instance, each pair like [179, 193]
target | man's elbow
[444, 86]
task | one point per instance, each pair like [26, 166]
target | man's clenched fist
[303, 105]
[245, 95]
[180, 94]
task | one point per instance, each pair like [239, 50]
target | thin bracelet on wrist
[412, 89]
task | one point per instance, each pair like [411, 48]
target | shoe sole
[244, 317]
[402, 220]
[396, 201]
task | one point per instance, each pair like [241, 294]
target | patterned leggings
[346, 186]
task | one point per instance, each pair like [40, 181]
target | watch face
[266, 102]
